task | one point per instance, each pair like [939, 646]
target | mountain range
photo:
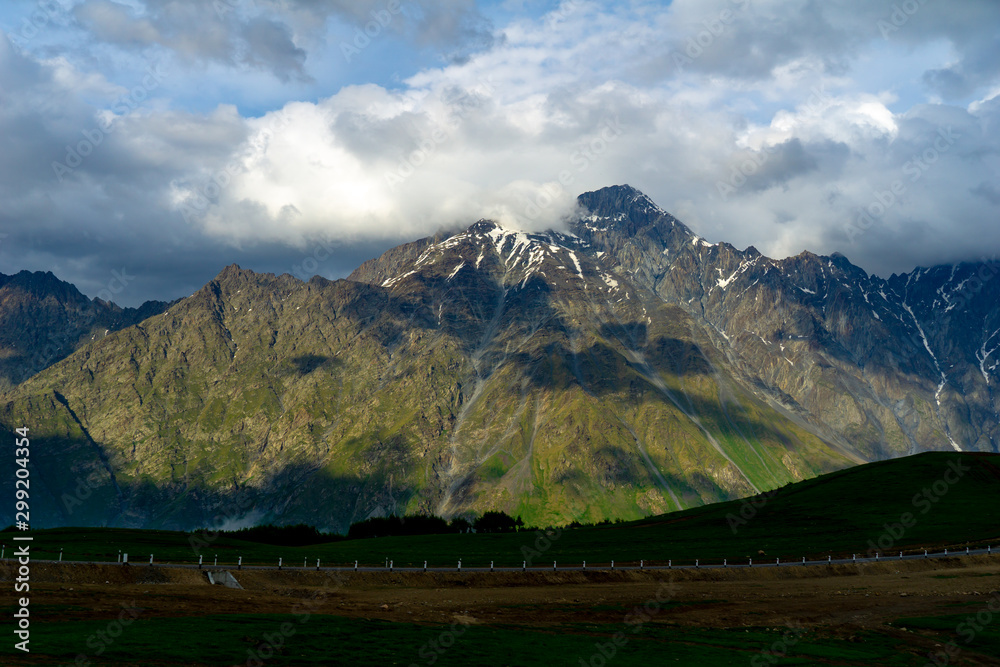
[618, 367]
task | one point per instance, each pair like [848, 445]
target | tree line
[387, 526]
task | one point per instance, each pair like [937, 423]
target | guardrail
[555, 567]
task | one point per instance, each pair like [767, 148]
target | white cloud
[557, 106]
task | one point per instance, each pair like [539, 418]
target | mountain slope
[891, 367]
[496, 370]
[44, 319]
[620, 368]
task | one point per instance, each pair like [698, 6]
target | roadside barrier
[640, 565]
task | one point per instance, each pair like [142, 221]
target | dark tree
[384, 526]
[497, 522]
[460, 525]
[299, 535]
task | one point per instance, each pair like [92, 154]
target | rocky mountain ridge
[913, 359]
[620, 367]
[44, 319]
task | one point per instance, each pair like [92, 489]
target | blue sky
[256, 131]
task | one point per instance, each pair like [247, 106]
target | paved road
[757, 563]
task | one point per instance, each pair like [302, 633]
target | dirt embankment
[840, 599]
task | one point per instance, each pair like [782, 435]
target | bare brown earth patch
[840, 598]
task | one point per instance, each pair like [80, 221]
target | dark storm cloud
[197, 31]
[269, 44]
[435, 23]
[136, 268]
[784, 162]
[111, 222]
[978, 68]
[915, 207]
[972, 28]
[751, 39]
[488, 130]
[988, 191]
[265, 34]
[108, 205]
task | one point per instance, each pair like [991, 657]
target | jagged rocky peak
[616, 199]
[234, 279]
[42, 284]
[483, 226]
[620, 210]
[234, 273]
[43, 319]
[623, 208]
[488, 245]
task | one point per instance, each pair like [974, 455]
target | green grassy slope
[951, 497]
[330, 402]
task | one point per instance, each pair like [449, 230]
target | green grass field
[837, 513]
[840, 513]
[331, 640]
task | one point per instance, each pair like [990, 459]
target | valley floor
[887, 613]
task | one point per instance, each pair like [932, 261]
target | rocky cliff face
[888, 367]
[620, 368]
[43, 320]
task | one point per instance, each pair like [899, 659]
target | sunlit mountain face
[617, 367]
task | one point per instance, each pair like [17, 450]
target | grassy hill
[947, 499]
